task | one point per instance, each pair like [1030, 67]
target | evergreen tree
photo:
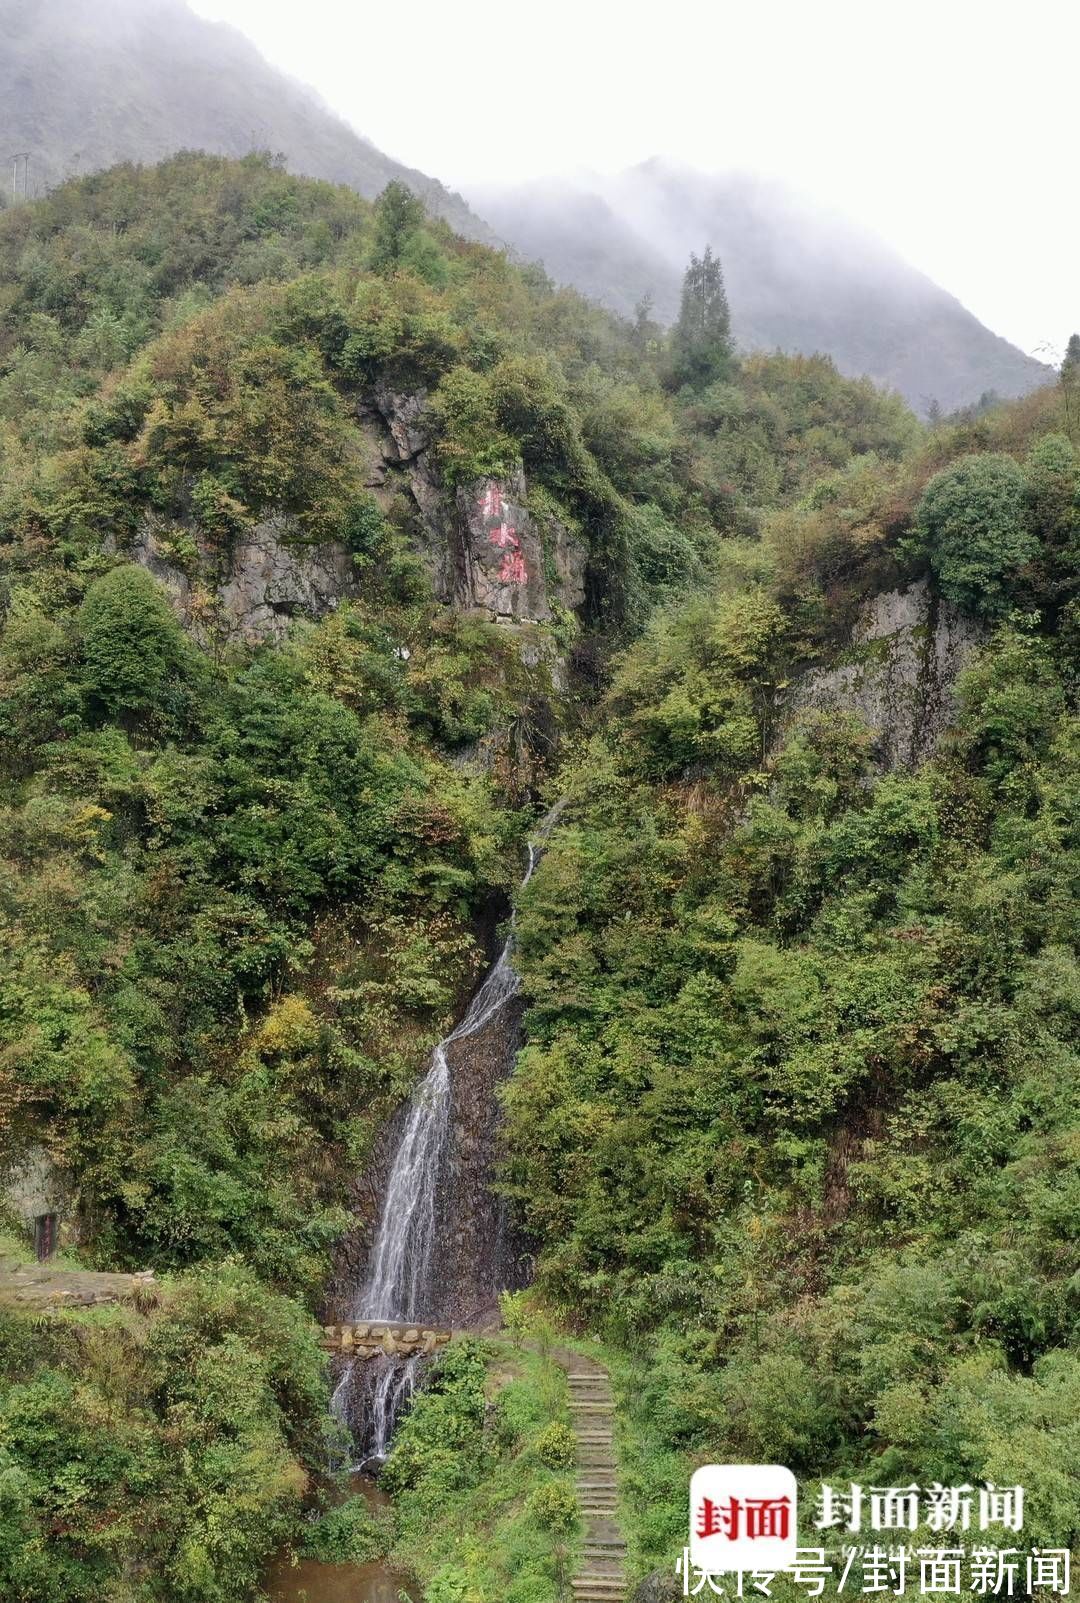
[398, 216]
[702, 349]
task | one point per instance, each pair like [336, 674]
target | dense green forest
[793, 1129]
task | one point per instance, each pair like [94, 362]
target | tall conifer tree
[701, 342]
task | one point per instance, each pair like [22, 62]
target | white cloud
[949, 127]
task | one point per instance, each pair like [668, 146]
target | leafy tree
[134, 651]
[701, 343]
[972, 522]
[1052, 470]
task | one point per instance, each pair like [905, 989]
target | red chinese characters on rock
[751, 1517]
[503, 537]
[513, 569]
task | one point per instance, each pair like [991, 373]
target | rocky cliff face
[899, 674]
[488, 554]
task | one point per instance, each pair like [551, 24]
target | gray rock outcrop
[252, 592]
[509, 564]
[488, 552]
[899, 675]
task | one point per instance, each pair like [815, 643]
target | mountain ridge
[799, 278]
[188, 84]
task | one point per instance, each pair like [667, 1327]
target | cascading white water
[401, 1270]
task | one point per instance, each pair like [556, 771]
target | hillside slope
[798, 279]
[307, 510]
[82, 87]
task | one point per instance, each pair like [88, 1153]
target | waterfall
[403, 1268]
[400, 1274]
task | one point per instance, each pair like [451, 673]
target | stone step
[590, 1408]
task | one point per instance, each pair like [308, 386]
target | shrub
[554, 1507]
[350, 1534]
[556, 1447]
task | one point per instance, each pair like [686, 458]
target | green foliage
[702, 347]
[697, 687]
[348, 1534]
[554, 1507]
[398, 218]
[506, 1519]
[795, 1111]
[134, 651]
[794, 1121]
[170, 1443]
[556, 1446]
[971, 521]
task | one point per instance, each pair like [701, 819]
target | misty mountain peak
[800, 276]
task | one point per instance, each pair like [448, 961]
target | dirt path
[602, 1576]
[33, 1285]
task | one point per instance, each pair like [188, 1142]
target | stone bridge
[381, 1336]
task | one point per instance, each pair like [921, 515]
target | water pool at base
[310, 1581]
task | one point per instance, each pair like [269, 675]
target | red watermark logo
[743, 1517]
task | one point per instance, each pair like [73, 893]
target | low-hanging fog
[947, 129]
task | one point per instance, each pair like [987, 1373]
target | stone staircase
[602, 1576]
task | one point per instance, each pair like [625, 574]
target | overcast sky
[949, 127]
